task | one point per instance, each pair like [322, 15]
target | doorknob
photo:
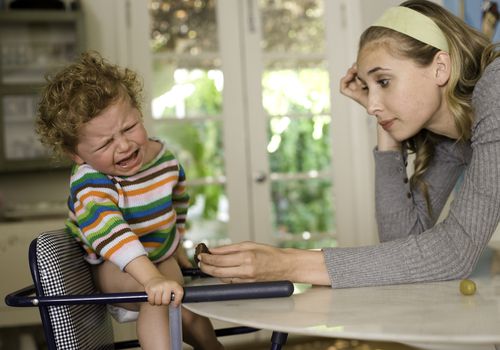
[261, 177]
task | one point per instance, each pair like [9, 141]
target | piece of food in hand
[467, 287]
[200, 248]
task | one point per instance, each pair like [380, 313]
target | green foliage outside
[298, 205]
[198, 145]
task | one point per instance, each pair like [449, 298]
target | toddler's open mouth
[130, 159]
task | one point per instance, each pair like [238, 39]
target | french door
[242, 92]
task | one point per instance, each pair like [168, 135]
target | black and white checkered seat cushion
[63, 271]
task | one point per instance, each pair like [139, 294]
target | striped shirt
[120, 218]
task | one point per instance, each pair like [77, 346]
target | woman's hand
[385, 142]
[249, 262]
[351, 87]
[246, 262]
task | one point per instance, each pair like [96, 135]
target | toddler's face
[115, 142]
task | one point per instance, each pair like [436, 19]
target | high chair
[74, 314]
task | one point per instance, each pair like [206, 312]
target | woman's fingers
[237, 280]
[247, 261]
[233, 248]
[239, 265]
[230, 274]
[351, 87]
[228, 255]
[222, 260]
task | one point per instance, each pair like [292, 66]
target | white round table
[425, 315]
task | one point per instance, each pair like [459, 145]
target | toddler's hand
[159, 291]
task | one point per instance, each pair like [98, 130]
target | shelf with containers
[33, 43]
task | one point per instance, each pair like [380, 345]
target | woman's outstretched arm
[249, 261]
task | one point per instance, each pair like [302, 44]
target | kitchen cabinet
[33, 43]
[15, 239]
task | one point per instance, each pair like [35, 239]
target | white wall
[105, 28]
[108, 24]
[353, 131]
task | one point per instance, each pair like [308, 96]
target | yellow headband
[414, 24]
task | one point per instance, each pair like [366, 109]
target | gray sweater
[413, 247]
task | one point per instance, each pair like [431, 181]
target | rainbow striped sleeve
[180, 201]
[100, 222]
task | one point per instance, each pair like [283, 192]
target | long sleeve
[450, 249]
[402, 211]
[97, 220]
[180, 199]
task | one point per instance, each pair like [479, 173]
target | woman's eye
[383, 82]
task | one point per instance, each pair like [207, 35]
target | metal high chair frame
[74, 314]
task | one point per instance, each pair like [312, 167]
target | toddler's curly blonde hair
[78, 93]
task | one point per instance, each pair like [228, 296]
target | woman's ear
[442, 64]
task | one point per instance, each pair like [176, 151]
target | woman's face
[403, 96]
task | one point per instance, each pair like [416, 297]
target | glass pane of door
[186, 108]
[292, 26]
[296, 99]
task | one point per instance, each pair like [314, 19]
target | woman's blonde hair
[78, 93]
[470, 52]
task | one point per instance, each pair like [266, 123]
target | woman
[433, 83]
